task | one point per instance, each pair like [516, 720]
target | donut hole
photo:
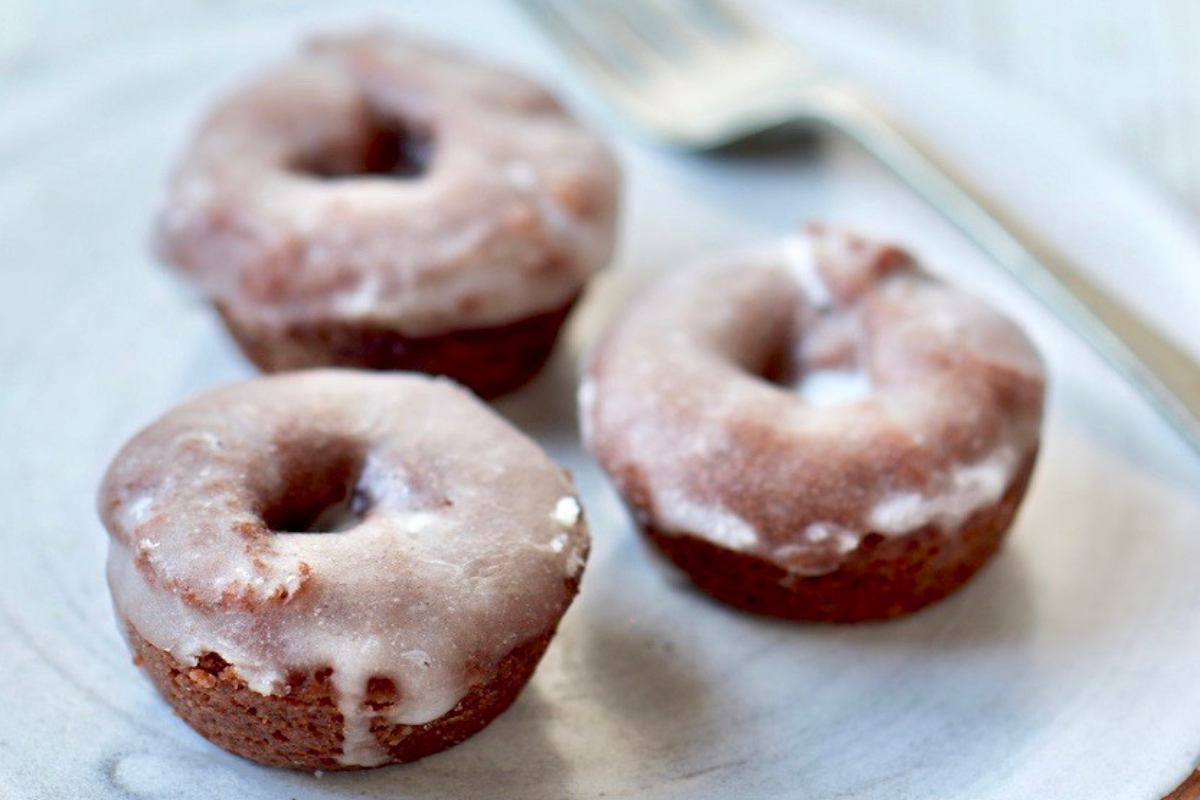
[321, 490]
[388, 147]
[818, 383]
[826, 364]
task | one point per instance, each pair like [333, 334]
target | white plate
[1067, 669]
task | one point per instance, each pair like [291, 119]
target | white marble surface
[1065, 670]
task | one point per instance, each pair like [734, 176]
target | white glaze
[679, 513]
[800, 473]
[819, 550]
[586, 400]
[968, 488]
[467, 541]
[514, 213]
[567, 511]
[833, 387]
[800, 258]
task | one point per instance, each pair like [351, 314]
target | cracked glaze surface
[453, 540]
[791, 401]
[512, 213]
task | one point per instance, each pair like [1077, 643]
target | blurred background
[1123, 73]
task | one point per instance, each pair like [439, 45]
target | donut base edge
[490, 361]
[885, 578]
[302, 730]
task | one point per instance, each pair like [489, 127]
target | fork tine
[635, 24]
[722, 18]
[705, 85]
[654, 23]
[684, 29]
[728, 26]
[604, 43]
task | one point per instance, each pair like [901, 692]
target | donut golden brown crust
[302, 729]
[885, 577]
[382, 203]
[491, 361]
[818, 429]
[333, 569]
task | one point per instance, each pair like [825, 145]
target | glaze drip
[466, 542]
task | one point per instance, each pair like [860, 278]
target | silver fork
[701, 76]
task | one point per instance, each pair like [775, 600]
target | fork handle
[1160, 371]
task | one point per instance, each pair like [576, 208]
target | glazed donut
[817, 430]
[382, 204]
[333, 570]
